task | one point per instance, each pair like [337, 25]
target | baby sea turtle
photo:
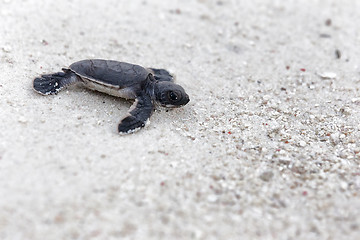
[148, 86]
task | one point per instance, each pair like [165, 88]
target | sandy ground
[268, 147]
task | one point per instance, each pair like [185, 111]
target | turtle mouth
[171, 106]
[182, 103]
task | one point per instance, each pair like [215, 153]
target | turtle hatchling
[148, 86]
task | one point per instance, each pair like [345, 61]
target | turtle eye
[173, 96]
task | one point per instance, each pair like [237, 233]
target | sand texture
[267, 148]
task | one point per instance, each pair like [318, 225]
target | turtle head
[170, 95]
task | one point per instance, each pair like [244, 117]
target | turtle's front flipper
[139, 113]
[162, 74]
[53, 83]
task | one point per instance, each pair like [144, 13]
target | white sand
[260, 152]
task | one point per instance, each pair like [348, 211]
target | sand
[267, 148]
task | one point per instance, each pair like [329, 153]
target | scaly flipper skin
[53, 83]
[139, 113]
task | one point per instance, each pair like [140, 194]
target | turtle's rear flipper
[139, 113]
[53, 83]
[161, 74]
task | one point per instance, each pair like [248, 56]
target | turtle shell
[109, 72]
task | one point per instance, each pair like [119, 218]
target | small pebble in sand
[355, 100]
[7, 48]
[335, 138]
[22, 119]
[325, 35]
[337, 53]
[266, 97]
[266, 176]
[328, 22]
[344, 185]
[212, 198]
[302, 143]
[327, 75]
[343, 154]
